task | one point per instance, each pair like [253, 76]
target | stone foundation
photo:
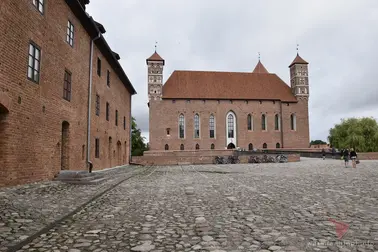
[208, 157]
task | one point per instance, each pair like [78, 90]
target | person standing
[353, 157]
[346, 157]
[323, 154]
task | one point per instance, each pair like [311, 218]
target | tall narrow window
[196, 126]
[116, 117]
[97, 105]
[107, 111]
[212, 146]
[265, 146]
[181, 126]
[97, 148]
[212, 126]
[34, 62]
[70, 33]
[166, 147]
[249, 121]
[277, 122]
[181, 147]
[98, 66]
[124, 122]
[108, 78]
[39, 4]
[67, 86]
[250, 146]
[263, 122]
[230, 122]
[293, 120]
[197, 146]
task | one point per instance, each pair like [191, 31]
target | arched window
[265, 146]
[250, 146]
[212, 126]
[196, 126]
[197, 146]
[278, 145]
[249, 122]
[277, 122]
[181, 147]
[263, 122]
[293, 120]
[166, 147]
[181, 126]
[230, 121]
[212, 146]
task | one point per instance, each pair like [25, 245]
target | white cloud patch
[338, 39]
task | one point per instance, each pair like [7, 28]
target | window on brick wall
[97, 105]
[166, 147]
[293, 122]
[212, 126]
[108, 78]
[181, 126]
[196, 126]
[70, 33]
[67, 86]
[107, 111]
[124, 122]
[34, 62]
[181, 147]
[277, 122]
[263, 122]
[98, 66]
[97, 148]
[116, 117]
[249, 122]
[39, 4]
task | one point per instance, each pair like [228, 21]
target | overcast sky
[339, 38]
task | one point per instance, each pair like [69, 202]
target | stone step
[85, 182]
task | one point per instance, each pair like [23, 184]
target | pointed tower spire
[260, 68]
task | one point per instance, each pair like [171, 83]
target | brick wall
[165, 113]
[31, 128]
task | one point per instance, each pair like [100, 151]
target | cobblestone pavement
[26, 209]
[244, 207]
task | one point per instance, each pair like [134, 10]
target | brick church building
[204, 110]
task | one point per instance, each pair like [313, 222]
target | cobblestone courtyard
[251, 207]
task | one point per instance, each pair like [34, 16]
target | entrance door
[231, 129]
[65, 146]
[231, 146]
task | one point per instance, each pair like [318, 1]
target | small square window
[39, 4]
[70, 33]
[98, 66]
[34, 62]
[168, 131]
[67, 86]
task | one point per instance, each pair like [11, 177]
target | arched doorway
[231, 146]
[65, 155]
[3, 125]
[110, 151]
[119, 152]
[231, 130]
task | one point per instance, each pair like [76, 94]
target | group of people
[346, 155]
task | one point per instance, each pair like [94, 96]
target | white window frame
[179, 126]
[212, 115]
[293, 122]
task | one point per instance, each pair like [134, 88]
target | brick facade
[42, 133]
[164, 112]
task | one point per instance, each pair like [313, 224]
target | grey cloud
[337, 38]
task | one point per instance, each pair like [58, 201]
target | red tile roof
[226, 85]
[155, 57]
[298, 60]
[260, 68]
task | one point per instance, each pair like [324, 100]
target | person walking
[323, 154]
[346, 157]
[353, 157]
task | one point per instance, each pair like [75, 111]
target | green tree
[314, 142]
[137, 140]
[361, 134]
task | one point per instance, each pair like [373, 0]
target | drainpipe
[90, 102]
[130, 131]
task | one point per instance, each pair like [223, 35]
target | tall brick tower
[155, 65]
[300, 89]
